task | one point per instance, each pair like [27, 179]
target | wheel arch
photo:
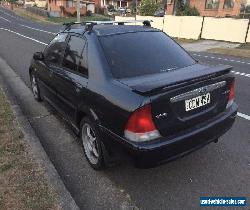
[85, 111]
[31, 70]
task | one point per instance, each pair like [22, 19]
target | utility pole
[78, 18]
[136, 5]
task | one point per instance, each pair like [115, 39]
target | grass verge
[28, 15]
[22, 183]
[240, 51]
[185, 41]
[94, 17]
[245, 46]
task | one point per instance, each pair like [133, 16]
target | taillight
[231, 95]
[140, 126]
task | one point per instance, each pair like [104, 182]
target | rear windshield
[143, 53]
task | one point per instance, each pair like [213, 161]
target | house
[58, 8]
[117, 4]
[40, 3]
[213, 8]
[28, 3]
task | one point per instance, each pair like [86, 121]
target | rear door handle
[78, 87]
[51, 73]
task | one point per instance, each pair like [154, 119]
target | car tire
[35, 87]
[92, 145]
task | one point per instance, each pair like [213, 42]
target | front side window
[228, 4]
[73, 53]
[54, 52]
[143, 53]
[212, 4]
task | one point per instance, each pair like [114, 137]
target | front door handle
[50, 73]
[78, 90]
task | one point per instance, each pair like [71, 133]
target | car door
[53, 55]
[71, 79]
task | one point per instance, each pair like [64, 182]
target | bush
[111, 8]
[148, 7]
[89, 13]
[188, 11]
[62, 9]
[72, 14]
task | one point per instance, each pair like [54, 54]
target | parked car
[122, 9]
[152, 102]
[128, 10]
[159, 13]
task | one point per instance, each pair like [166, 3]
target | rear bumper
[149, 154]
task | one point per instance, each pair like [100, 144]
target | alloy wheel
[90, 143]
[34, 87]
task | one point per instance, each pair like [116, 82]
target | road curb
[13, 86]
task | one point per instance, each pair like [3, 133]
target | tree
[186, 10]
[133, 6]
[179, 7]
[148, 7]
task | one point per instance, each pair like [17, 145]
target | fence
[225, 29]
[248, 36]
[195, 27]
[188, 27]
[38, 11]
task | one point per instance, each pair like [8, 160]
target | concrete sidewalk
[204, 45]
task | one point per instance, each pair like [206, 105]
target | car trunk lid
[183, 98]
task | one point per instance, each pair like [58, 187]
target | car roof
[105, 30]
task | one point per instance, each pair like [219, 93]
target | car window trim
[85, 47]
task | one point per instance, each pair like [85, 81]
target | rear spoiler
[149, 84]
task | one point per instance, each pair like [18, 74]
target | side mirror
[38, 56]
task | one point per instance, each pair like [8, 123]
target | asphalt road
[221, 169]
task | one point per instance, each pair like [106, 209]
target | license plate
[197, 102]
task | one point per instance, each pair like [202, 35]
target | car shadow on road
[210, 171]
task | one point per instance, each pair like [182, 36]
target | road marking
[5, 19]
[35, 40]
[241, 73]
[36, 29]
[219, 58]
[243, 116]
[9, 14]
[225, 59]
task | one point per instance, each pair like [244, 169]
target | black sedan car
[133, 90]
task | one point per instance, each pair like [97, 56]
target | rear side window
[83, 64]
[143, 53]
[73, 53]
[55, 50]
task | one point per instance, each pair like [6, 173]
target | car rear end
[186, 105]
[176, 121]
